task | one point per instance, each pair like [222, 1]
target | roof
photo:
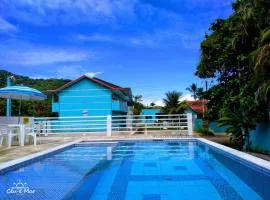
[197, 106]
[126, 91]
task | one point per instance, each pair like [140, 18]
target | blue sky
[151, 46]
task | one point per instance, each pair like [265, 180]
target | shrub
[205, 132]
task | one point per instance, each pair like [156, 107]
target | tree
[173, 104]
[30, 108]
[137, 104]
[236, 53]
[152, 104]
[261, 63]
[195, 91]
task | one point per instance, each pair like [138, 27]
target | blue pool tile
[150, 164]
[180, 168]
[164, 158]
[151, 197]
[171, 172]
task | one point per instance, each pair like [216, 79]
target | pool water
[147, 170]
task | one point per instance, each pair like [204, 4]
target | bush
[205, 132]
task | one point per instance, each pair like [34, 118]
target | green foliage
[30, 108]
[236, 53]
[137, 104]
[205, 132]
[173, 104]
[196, 92]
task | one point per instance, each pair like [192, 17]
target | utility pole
[206, 85]
[8, 109]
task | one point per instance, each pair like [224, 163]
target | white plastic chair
[1, 138]
[8, 133]
[2, 135]
[30, 130]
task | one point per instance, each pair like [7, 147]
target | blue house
[150, 114]
[197, 109]
[88, 96]
[83, 105]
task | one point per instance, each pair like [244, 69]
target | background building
[88, 96]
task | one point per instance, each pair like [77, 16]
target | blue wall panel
[261, 137]
[85, 98]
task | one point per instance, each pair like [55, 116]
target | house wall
[198, 123]
[260, 137]
[150, 111]
[85, 98]
[217, 129]
[194, 114]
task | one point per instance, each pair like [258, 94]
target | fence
[110, 125]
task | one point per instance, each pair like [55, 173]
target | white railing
[110, 125]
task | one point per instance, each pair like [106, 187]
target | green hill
[30, 108]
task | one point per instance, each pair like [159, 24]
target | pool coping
[238, 154]
[263, 164]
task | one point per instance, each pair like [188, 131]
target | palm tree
[195, 91]
[239, 126]
[261, 61]
[152, 104]
[137, 104]
[172, 102]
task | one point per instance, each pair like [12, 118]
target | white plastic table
[21, 132]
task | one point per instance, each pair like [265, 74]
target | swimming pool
[148, 170]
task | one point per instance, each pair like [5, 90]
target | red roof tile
[197, 106]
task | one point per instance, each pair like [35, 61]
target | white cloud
[157, 38]
[30, 55]
[147, 102]
[73, 71]
[95, 37]
[144, 41]
[93, 74]
[5, 26]
[46, 12]
[160, 102]
[69, 72]
[187, 97]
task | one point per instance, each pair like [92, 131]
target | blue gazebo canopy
[21, 93]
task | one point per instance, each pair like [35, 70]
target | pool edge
[9, 164]
[238, 154]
